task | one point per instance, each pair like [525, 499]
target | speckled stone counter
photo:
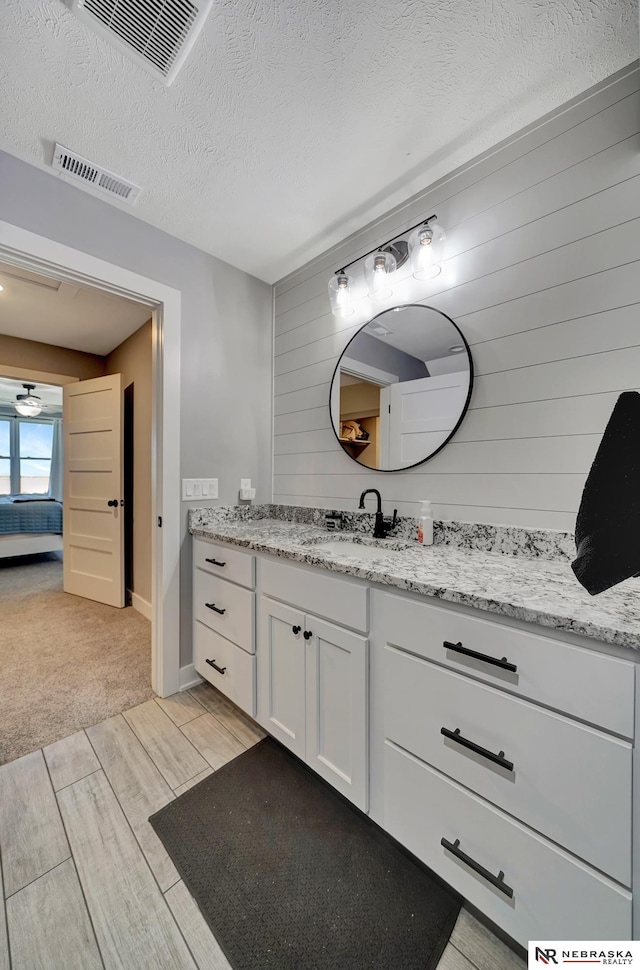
[523, 586]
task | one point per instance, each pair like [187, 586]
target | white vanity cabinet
[498, 752]
[224, 620]
[313, 684]
[506, 760]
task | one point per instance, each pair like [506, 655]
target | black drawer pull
[213, 664]
[498, 759]
[497, 881]
[307, 634]
[296, 629]
[504, 663]
[214, 562]
[212, 606]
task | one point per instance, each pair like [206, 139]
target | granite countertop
[536, 590]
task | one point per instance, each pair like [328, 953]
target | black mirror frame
[464, 410]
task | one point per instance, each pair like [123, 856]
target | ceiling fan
[28, 404]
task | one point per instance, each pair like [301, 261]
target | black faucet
[382, 526]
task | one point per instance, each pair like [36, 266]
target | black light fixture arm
[423, 222]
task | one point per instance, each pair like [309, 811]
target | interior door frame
[42, 255]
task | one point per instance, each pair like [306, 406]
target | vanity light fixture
[426, 246]
[425, 249]
[340, 295]
[377, 269]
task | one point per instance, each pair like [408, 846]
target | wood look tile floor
[84, 880]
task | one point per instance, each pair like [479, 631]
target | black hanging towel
[608, 523]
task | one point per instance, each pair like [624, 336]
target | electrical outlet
[195, 489]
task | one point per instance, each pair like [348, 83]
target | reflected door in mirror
[401, 388]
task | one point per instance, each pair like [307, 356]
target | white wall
[542, 276]
[226, 333]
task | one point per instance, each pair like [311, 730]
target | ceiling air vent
[157, 34]
[80, 170]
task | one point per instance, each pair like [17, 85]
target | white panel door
[281, 680]
[422, 415]
[337, 710]
[93, 529]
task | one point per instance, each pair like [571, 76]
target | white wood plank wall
[542, 275]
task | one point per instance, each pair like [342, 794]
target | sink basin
[360, 550]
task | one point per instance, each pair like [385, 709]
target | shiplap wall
[542, 275]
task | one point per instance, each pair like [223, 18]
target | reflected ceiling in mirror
[401, 388]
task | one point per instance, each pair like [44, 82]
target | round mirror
[401, 388]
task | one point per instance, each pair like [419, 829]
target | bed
[28, 525]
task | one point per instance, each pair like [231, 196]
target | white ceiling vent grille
[78, 169]
[158, 34]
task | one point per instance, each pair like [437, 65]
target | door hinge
[389, 409]
[159, 521]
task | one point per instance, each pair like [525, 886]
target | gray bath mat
[289, 876]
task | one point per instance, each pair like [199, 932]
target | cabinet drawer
[343, 600]
[220, 560]
[555, 897]
[236, 623]
[580, 682]
[238, 681]
[570, 782]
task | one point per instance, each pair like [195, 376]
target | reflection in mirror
[401, 388]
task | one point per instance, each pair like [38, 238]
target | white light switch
[194, 489]
[245, 483]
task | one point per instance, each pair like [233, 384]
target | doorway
[129, 459]
[39, 254]
[360, 431]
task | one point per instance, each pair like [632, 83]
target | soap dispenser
[425, 524]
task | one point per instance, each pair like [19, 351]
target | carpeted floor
[65, 662]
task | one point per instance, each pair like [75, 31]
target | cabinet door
[337, 708]
[281, 682]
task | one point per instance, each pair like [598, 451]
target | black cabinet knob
[113, 503]
[307, 634]
[296, 629]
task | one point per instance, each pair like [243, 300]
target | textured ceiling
[295, 122]
[37, 307]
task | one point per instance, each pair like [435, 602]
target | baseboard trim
[142, 606]
[189, 677]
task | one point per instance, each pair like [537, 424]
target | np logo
[545, 956]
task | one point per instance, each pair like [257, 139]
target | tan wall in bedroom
[133, 360]
[31, 355]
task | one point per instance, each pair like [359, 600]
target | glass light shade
[28, 408]
[426, 246]
[340, 295]
[377, 269]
